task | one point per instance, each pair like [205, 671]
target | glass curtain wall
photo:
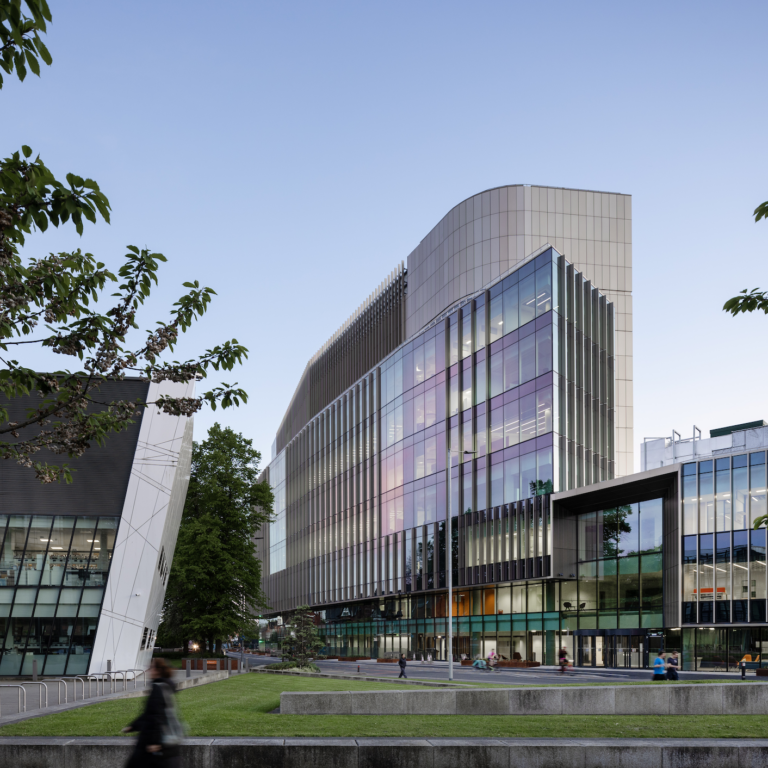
[52, 576]
[620, 568]
[515, 385]
[724, 574]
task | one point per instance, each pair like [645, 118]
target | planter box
[386, 661]
[213, 664]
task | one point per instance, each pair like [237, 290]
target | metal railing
[91, 678]
[74, 685]
[59, 683]
[117, 672]
[22, 693]
[105, 678]
[42, 686]
[136, 673]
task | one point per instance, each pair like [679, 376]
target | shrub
[294, 665]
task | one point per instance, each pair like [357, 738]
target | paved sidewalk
[9, 693]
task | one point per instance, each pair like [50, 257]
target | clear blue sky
[291, 154]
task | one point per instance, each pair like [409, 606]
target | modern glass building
[511, 392]
[83, 567]
[723, 582]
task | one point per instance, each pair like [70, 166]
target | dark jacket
[401, 662]
[150, 728]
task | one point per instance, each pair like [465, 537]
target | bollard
[34, 670]
[205, 666]
[358, 669]
[189, 668]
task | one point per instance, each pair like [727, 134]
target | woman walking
[160, 732]
[402, 662]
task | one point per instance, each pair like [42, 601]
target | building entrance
[617, 648]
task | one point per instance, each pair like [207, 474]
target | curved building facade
[491, 372]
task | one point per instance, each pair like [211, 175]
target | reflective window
[52, 576]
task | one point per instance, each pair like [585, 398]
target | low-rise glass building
[83, 566]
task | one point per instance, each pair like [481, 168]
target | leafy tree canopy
[50, 301]
[301, 641]
[214, 589]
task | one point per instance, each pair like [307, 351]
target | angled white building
[83, 567]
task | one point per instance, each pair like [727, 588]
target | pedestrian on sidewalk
[672, 666]
[402, 662]
[159, 729]
[659, 667]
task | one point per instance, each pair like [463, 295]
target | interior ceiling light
[57, 547]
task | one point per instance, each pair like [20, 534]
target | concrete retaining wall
[399, 753]
[661, 699]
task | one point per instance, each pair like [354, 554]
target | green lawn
[240, 706]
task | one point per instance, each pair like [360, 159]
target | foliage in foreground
[50, 302]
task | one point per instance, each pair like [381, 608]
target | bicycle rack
[75, 680]
[143, 674]
[22, 692]
[89, 678]
[119, 672]
[103, 677]
[59, 683]
[42, 685]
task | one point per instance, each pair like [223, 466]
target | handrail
[42, 685]
[22, 692]
[59, 683]
[76, 680]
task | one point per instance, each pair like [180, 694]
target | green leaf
[43, 51]
[21, 70]
[32, 61]
[26, 150]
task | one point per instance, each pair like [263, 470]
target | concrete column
[205, 666]
[189, 667]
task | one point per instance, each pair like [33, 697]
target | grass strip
[240, 706]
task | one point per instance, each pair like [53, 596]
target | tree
[750, 301]
[301, 642]
[214, 589]
[50, 301]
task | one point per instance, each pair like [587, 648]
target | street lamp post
[449, 548]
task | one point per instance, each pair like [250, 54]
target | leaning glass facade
[53, 571]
